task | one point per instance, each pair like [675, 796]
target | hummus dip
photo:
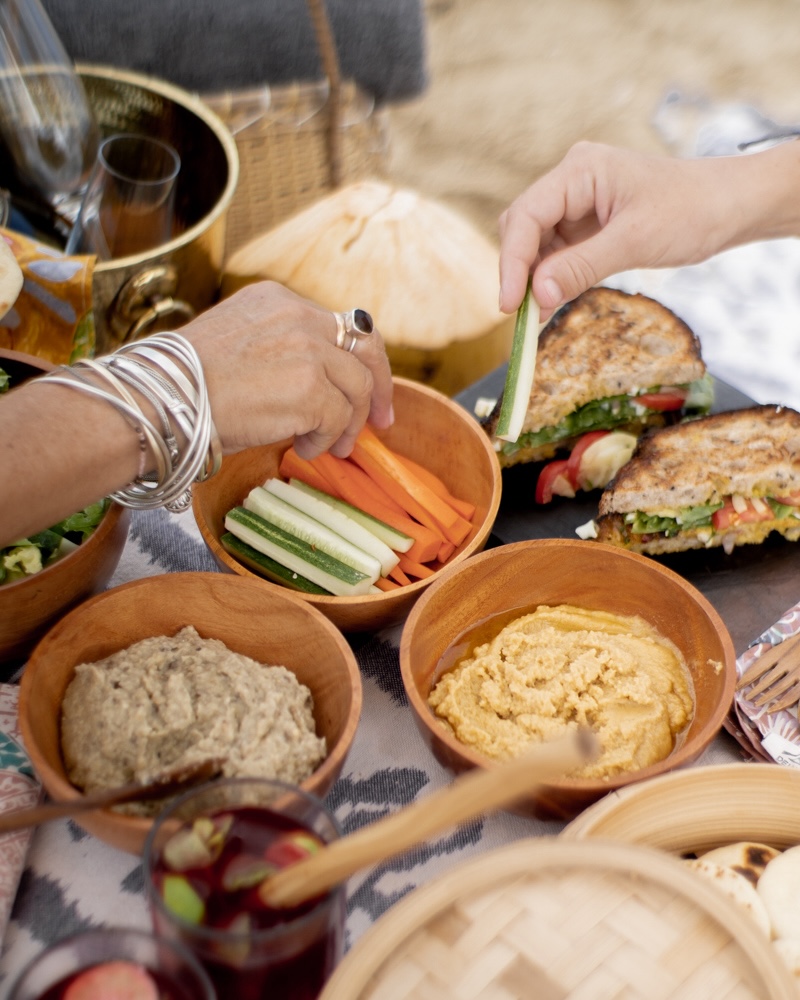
[557, 668]
[165, 702]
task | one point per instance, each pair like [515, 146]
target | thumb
[565, 273]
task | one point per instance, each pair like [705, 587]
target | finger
[345, 406]
[371, 352]
[519, 247]
[336, 415]
[573, 269]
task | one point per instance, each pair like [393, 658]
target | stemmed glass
[45, 118]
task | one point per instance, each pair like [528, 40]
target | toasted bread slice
[603, 345]
[750, 453]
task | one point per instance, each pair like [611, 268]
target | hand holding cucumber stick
[521, 369]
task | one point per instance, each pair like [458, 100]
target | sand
[513, 83]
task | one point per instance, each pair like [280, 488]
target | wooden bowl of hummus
[166, 670]
[430, 429]
[523, 641]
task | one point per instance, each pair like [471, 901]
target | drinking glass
[129, 203]
[46, 121]
[261, 954]
[177, 973]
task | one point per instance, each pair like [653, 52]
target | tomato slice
[728, 517]
[667, 399]
[553, 481]
[792, 500]
[574, 460]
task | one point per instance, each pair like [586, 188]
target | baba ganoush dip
[560, 667]
[166, 702]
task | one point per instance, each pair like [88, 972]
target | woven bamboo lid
[700, 808]
[559, 920]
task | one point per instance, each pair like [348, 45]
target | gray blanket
[205, 46]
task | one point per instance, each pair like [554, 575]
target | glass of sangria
[113, 961]
[204, 861]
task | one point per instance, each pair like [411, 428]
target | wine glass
[46, 121]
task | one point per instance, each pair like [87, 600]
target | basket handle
[330, 66]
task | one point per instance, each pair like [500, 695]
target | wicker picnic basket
[557, 920]
[299, 141]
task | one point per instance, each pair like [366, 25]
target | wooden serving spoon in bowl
[470, 795]
[167, 783]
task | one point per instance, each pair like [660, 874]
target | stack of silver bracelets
[180, 399]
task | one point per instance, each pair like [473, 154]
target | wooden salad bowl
[271, 626]
[28, 607]
[514, 579]
[430, 428]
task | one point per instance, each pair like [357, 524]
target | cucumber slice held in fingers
[521, 370]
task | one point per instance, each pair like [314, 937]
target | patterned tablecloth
[745, 306]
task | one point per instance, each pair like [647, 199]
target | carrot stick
[426, 542]
[411, 568]
[292, 466]
[455, 534]
[424, 550]
[445, 551]
[398, 576]
[347, 476]
[388, 462]
[462, 507]
[409, 504]
[382, 583]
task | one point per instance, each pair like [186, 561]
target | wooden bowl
[30, 606]
[270, 626]
[518, 577]
[429, 428]
[696, 810]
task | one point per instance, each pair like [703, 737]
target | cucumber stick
[269, 568]
[398, 541]
[318, 535]
[521, 369]
[296, 554]
[336, 520]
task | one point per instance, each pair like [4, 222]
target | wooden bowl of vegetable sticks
[31, 604]
[433, 441]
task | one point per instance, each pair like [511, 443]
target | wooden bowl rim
[688, 750]
[115, 513]
[58, 785]
[32, 360]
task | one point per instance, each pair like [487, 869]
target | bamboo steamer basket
[555, 920]
[163, 288]
[698, 809]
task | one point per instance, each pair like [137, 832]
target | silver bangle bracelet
[180, 399]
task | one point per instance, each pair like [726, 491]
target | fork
[774, 679]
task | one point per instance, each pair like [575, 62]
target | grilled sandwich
[607, 360]
[727, 479]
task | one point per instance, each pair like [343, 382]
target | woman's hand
[603, 210]
[273, 371]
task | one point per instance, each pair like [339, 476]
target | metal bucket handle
[146, 299]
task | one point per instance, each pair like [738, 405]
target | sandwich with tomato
[608, 361]
[722, 480]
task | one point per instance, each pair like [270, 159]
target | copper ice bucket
[163, 288]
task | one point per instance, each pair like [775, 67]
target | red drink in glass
[203, 880]
[79, 966]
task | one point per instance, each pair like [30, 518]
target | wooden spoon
[478, 791]
[164, 784]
